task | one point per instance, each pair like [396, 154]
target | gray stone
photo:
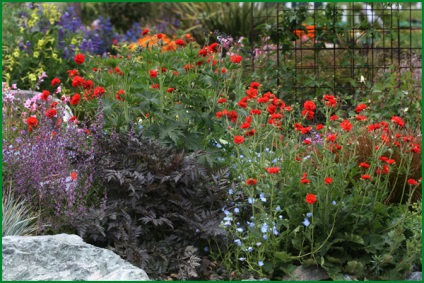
[63, 257]
[312, 273]
[415, 276]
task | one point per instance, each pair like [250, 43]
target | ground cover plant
[180, 160]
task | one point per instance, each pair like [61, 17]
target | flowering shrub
[306, 193]
[50, 165]
[171, 95]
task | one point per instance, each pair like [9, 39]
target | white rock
[62, 257]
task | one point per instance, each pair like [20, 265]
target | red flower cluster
[238, 139]
[232, 115]
[50, 113]
[236, 59]
[346, 125]
[153, 74]
[251, 181]
[180, 42]
[308, 111]
[330, 101]
[45, 95]
[272, 170]
[360, 108]
[302, 129]
[398, 120]
[55, 81]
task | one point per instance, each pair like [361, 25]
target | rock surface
[62, 257]
[415, 276]
[307, 274]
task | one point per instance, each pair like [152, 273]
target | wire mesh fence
[329, 47]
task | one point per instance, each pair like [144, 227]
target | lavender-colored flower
[264, 228]
[260, 263]
[309, 214]
[262, 197]
[238, 242]
[306, 222]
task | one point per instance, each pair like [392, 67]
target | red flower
[222, 100]
[255, 85]
[55, 81]
[390, 161]
[364, 165]
[146, 31]
[98, 91]
[310, 198]
[53, 105]
[331, 137]
[360, 118]
[334, 117]
[88, 84]
[159, 35]
[366, 177]
[119, 93]
[153, 73]
[155, 86]
[303, 180]
[346, 125]
[309, 105]
[180, 42]
[273, 170]
[328, 180]
[77, 81]
[75, 99]
[213, 48]
[319, 127]
[308, 113]
[245, 125]
[223, 70]
[118, 71]
[398, 120]
[79, 59]
[255, 112]
[170, 89]
[72, 73]
[235, 59]
[307, 141]
[45, 95]
[32, 121]
[360, 108]
[238, 139]
[250, 133]
[251, 181]
[51, 113]
[203, 52]
[74, 176]
[412, 182]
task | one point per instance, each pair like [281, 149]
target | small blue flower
[206, 249]
[239, 230]
[230, 191]
[250, 200]
[260, 263]
[309, 214]
[280, 216]
[334, 202]
[242, 259]
[226, 212]
[275, 231]
[262, 197]
[236, 210]
[249, 249]
[278, 208]
[264, 228]
[306, 222]
[238, 242]
[251, 224]
[265, 237]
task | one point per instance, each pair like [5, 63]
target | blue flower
[230, 191]
[275, 231]
[278, 208]
[306, 222]
[236, 210]
[309, 214]
[250, 200]
[264, 228]
[265, 237]
[249, 249]
[206, 249]
[334, 202]
[262, 197]
[239, 230]
[238, 242]
[260, 263]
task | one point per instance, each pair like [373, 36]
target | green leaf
[282, 256]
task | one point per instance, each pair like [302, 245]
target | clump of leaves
[162, 206]
[17, 220]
